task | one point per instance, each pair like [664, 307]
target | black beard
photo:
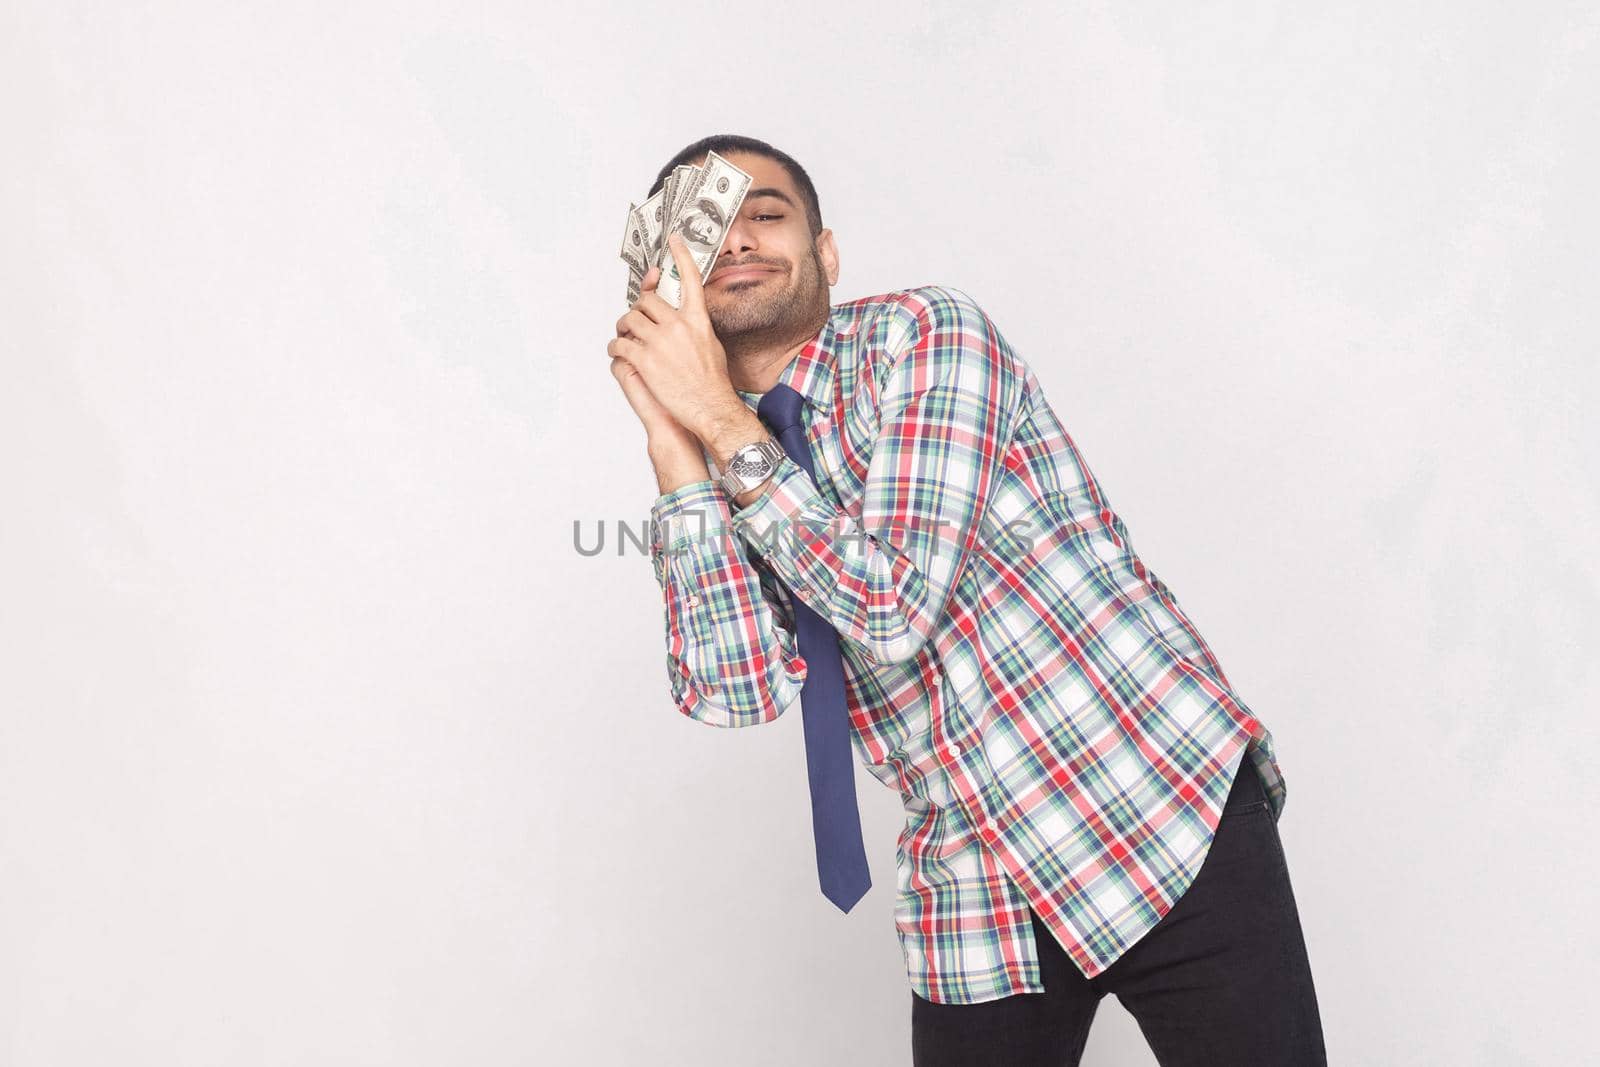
[745, 314]
[759, 315]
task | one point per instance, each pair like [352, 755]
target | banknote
[647, 222]
[636, 251]
[675, 184]
[708, 207]
[653, 212]
[698, 203]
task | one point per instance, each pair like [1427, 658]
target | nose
[741, 238]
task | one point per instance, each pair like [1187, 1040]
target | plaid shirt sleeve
[947, 403]
[732, 656]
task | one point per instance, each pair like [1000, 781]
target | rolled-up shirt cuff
[691, 516]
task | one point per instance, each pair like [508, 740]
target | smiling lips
[740, 272]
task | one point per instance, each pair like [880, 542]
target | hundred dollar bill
[642, 235]
[669, 199]
[710, 202]
[636, 253]
[642, 239]
[653, 212]
[678, 186]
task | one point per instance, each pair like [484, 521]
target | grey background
[321, 743]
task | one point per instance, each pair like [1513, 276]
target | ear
[828, 252]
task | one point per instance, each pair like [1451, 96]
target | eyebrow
[768, 190]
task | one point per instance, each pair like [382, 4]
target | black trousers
[1223, 978]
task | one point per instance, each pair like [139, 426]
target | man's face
[770, 278]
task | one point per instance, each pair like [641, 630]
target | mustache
[775, 263]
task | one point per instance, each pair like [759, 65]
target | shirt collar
[810, 373]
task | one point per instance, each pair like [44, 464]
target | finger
[637, 390]
[654, 306]
[624, 348]
[635, 323]
[624, 372]
[688, 274]
[633, 387]
[652, 278]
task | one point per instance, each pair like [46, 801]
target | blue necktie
[830, 761]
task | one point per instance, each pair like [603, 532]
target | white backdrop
[320, 742]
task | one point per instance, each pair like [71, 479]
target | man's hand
[675, 351]
[674, 451]
[662, 430]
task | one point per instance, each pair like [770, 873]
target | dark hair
[723, 143]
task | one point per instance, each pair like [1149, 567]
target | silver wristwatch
[750, 466]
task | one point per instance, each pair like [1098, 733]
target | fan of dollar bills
[699, 203]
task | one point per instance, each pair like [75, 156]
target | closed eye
[760, 217]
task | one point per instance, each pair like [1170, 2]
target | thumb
[688, 275]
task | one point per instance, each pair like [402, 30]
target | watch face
[748, 462]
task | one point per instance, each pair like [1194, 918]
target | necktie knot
[779, 408]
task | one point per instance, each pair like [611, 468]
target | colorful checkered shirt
[1059, 733]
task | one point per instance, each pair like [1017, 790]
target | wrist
[672, 444]
[676, 466]
[751, 470]
[729, 428]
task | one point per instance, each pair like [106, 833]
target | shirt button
[955, 748]
[692, 599]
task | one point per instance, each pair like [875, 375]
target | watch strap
[733, 483]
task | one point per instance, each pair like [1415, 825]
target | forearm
[873, 597]
[881, 587]
[731, 658]
[730, 427]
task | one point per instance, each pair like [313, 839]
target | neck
[755, 363]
